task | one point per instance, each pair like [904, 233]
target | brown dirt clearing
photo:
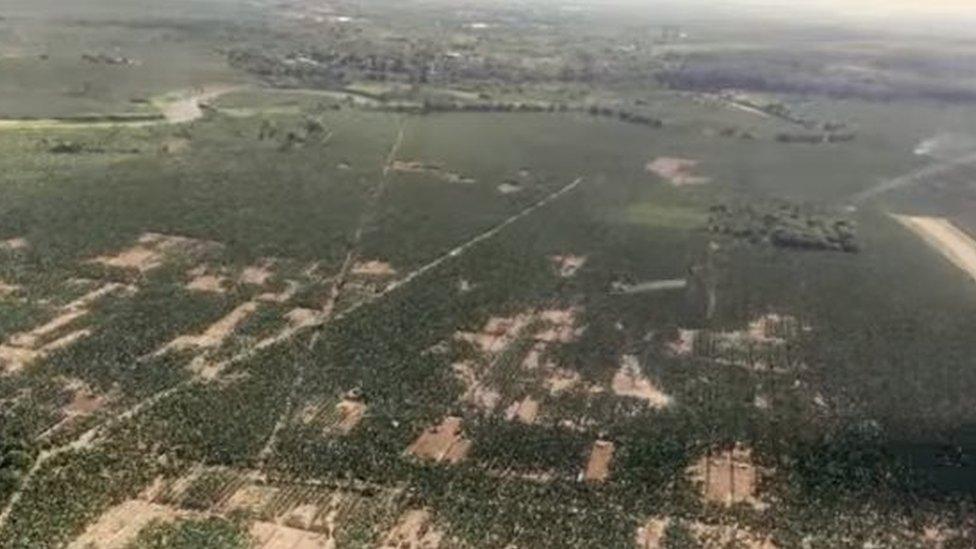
[442, 443]
[567, 265]
[678, 171]
[525, 410]
[120, 525]
[414, 530]
[14, 244]
[373, 268]
[152, 249]
[598, 465]
[216, 333]
[728, 477]
[630, 382]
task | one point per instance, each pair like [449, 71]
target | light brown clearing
[464, 286]
[678, 171]
[208, 283]
[630, 382]
[216, 333]
[269, 535]
[442, 443]
[14, 244]
[533, 359]
[186, 108]
[257, 275]
[414, 166]
[720, 535]
[373, 268]
[598, 465]
[651, 535]
[413, 531]
[728, 477]
[560, 379]
[567, 265]
[476, 392]
[955, 245]
[560, 326]
[525, 410]
[684, 344]
[253, 498]
[24, 348]
[497, 334]
[8, 289]
[351, 412]
[299, 317]
[291, 288]
[151, 250]
[120, 525]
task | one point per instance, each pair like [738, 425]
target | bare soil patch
[497, 334]
[351, 412]
[441, 443]
[476, 392]
[152, 249]
[630, 382]
[187, 107]
[414, 530]
[7, 290]
[598, 465]
[509, 187]
[560, 326]
[431, 168]
[299, 317]
[209, 283]
[567, 265]
[954, 244]
[728, 477]
[216, 333]
[291, 288]
[373, 268]
[678, 171]
[525, 411]
[24, 348]
[120, 525]
[257, 275]
[14, 244]
[270, 535]
[560, 379]
[651, 534]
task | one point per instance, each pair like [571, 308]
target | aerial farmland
[430, 274]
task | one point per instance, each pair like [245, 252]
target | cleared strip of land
[938, 232]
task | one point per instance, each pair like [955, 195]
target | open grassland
[378, 329]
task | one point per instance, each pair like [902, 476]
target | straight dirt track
[957, 246]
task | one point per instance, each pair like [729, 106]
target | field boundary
[950, 241]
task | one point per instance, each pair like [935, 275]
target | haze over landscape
[487, 273]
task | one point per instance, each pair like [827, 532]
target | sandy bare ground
[120, 525]
[560, 326]
[270, 535]
[413, 531]
[525, 411]
[24, 348]
[216, 333]
[677, 171]
[955, 245]
[14, 244]
[567, 265]
[441, 443]
[630, 382]
[350, 412]
[476, 392]
[497, 334]
[208, 283]
[598, 464]
[257, 275]
[653, 533]
[728, 477]
[151, 250]
[186, 108]
[7, 289]
[373, 268]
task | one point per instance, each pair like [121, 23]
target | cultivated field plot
[296, 317]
